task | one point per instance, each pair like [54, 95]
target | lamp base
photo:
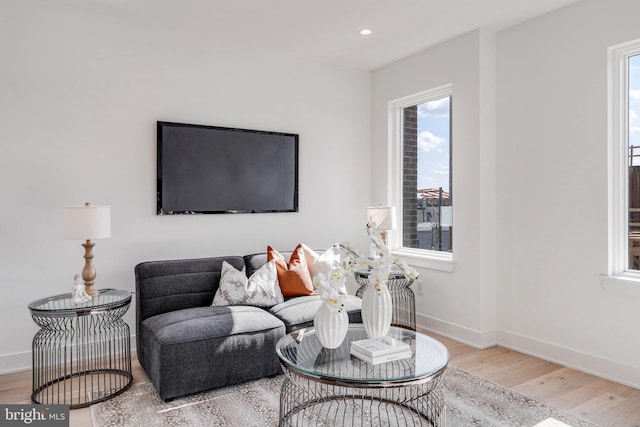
[88, 272]
[91, 291]
[383, 235]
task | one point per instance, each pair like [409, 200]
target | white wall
[460, 304]
[552, 158]
[80, 92]
[530, 188]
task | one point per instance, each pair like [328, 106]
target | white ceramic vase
[331, 327]
[377, 310]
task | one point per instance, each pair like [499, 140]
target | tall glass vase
[331, 326]
[377, 310]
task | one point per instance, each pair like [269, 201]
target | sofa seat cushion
[201, 323]
[200, 348]
[298, 312]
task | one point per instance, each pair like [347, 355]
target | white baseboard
[459, 333]
[589, 363]
[17, 362]
[585, 362]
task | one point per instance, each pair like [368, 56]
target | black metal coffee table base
[310, 403]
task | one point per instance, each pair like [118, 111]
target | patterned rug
[470, 400]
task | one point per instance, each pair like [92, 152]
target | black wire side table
[82, 353]
[330, 387]
[402, 297]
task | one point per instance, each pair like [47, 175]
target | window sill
[627, 284]
[432, 260]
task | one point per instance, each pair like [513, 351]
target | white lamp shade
[382, 217]
[87, 222]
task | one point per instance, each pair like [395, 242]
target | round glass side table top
[394, 274]
[82, 353]
[62, 305]
[322, 383]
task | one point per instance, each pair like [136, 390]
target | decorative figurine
[78, 295]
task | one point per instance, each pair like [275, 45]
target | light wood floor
[600, 401]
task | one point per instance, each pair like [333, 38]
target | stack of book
[380, 350]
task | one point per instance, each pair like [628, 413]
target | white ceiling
[326, 30]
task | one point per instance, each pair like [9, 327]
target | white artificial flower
[318, 279]
[335, 301]
[379, 276]
[408, 271]
[338, 278]
[325, 291]
[379, 267]
[329, 290]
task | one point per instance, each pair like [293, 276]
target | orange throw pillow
[294, 277]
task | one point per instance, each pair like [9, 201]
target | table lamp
[383, 219]
[86, 223]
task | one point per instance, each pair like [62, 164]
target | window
[633, 144]
[624, 160]
[421, 172]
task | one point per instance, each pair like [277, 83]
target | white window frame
[618, 152]
[436, 260]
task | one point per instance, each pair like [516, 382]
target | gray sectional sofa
[187, 346]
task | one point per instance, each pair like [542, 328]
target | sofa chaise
[185, 345]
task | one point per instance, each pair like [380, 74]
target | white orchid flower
[325, 292]
[379, 266]
[408, 271]
[318, 279]
[379, 276]
[334, 300]
[328, 289]
[337, 274]
[338, 278]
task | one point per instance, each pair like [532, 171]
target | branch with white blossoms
[381, 264]
[329, 288]
[350, 258]
[379, 275]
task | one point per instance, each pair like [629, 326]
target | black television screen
[209, 169]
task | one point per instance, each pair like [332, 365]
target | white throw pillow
[260, 290]
[322, 263]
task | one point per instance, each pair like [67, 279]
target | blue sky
[433, 144]
[634, 103]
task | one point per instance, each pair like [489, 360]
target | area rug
[470, 400]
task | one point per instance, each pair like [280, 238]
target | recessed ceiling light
[365, 32]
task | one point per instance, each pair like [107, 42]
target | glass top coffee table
[332, 387]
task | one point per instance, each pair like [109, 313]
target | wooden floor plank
[14, 380]
[595, 388]
[600, 407]
[521, 373]
[548, 387]
[626, 413]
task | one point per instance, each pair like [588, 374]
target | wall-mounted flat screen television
[209, 169]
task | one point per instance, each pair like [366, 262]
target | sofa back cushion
[163, 286]
[253, 262]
